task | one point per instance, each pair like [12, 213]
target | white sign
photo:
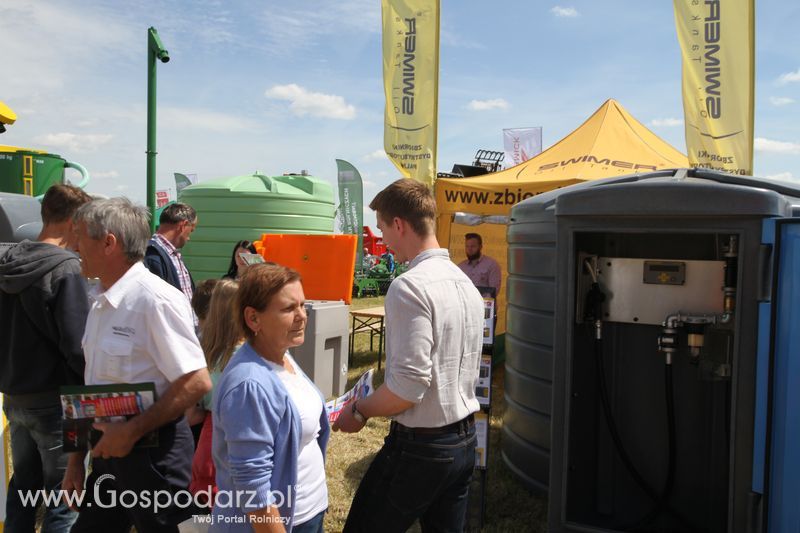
[162, 198]
[521, 144]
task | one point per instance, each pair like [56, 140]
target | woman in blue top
[270, 424]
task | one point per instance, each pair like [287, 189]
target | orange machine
[326, 262]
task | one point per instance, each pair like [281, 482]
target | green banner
[182, 181]
[351, 205]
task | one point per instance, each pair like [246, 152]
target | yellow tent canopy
[610, 143]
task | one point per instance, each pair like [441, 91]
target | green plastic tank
[245, 207]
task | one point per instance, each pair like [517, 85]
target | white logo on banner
[520, 144]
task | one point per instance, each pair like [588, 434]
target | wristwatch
[357, 414]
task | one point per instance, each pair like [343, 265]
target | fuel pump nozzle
[594, 300]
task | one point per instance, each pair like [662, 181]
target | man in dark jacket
[43, 308]
[163, 256]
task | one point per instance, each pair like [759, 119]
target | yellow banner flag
[717, 44]
[411, 85]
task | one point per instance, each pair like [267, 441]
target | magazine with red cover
[83, 405]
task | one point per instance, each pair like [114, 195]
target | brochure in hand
[83, 405]
[251, 259]
[361, 389]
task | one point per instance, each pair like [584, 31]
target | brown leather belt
[455, 427]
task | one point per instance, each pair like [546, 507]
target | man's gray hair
[128, 222]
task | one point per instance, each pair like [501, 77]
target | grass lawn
[509, 506]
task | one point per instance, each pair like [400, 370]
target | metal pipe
[667, 341]
[731, 274]
[155, 50]
[80, 168]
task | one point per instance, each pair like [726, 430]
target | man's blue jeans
[38, 463]
[416, 476]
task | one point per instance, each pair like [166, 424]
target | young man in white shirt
[434, 338]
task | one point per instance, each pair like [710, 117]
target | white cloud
[564, 11]
[202, 119]
[776, 147]
[782, 176]
[88, 123]
[456, 40]
[377, 155]
[666, 122]
[111, 174]
[779, 101]
[305, 102]
[78, 39]
[789, 77]
[75, 142]
[486, 105]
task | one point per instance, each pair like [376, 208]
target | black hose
[612, 426]
[661, 500]
[666, 492]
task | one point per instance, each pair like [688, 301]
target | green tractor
[377, 274]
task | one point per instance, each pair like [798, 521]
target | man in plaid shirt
[163, 256]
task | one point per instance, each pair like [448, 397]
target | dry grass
[509, 506]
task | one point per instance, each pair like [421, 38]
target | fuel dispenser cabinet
[666, 306]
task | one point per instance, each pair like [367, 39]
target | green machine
[28, 171]
[32, 172]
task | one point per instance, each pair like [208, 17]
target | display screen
[664, 272]
[665, 268]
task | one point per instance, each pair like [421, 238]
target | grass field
[509, 506]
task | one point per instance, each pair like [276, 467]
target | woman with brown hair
[270, 424]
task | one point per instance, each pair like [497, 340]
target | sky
[277, 86]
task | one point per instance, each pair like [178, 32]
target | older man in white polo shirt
[139, 329]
